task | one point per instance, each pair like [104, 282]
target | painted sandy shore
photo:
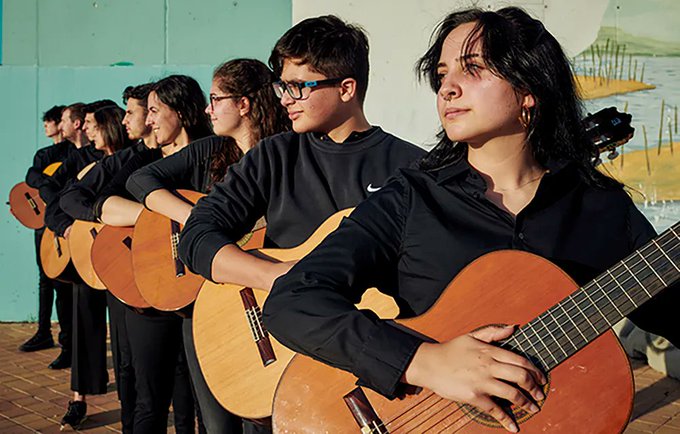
[598, 87]
[663, 183]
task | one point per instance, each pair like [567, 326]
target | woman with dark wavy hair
[109, 135]
[176, 112]
[243, 109]
[513, 170]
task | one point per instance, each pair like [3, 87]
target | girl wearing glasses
[243, 109]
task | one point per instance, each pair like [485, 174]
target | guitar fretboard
[577, 320]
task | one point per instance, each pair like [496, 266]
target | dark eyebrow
[468, 56]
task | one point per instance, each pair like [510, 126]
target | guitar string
[642, 250]
[606, 293]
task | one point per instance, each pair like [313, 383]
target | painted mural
[633, 65]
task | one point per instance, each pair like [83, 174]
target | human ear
[244, 106]
[348, 89]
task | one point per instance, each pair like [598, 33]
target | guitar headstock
[607, 129]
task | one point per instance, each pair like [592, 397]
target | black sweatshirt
[411, 238]
[55, 218]
[43, 158]
[78, 199]
[295, 181]
[187, 169]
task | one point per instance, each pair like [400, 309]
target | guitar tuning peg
[598, 161]
[613, 154]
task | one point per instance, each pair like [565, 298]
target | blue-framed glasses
[298, 90]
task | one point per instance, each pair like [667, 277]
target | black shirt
[413, 236]
[55, 218]
[188, 169]
[78, 199]
[295, 181]
[43, 158]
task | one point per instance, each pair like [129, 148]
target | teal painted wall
[44, 65]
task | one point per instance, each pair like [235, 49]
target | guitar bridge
[363, 412]
[180, 270]
[257, 329]
[32, 203]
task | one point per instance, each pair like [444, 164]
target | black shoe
[39, 341]
[62, 361]
[75, 415]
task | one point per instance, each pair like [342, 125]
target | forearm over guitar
[118, 211]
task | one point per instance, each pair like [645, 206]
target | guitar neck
[594, 308]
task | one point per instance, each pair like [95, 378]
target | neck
[179, 143]
[150, 140]
[244, 138]
[505, 163]
[56, 139]
[79, 140]
[355, 122]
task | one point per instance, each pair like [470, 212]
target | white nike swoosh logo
[372, 189]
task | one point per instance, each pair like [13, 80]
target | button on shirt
[412, 238]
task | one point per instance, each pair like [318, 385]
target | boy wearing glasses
[333, 158]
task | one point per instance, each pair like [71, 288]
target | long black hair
[183, 94]
[518, 49]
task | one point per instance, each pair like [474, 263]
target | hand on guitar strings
[469, 369]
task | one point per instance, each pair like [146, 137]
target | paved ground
[33, 398]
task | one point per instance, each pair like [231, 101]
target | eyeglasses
[217, 98]
[302, 90]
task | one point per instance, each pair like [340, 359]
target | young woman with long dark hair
[513, 170]
[243, 109]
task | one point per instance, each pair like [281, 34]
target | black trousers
[122, 362]
[88, 367]
[161, 374]
[215, 418]
[46, 289]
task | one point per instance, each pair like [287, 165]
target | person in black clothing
[243, 109]
[88, 356]
[175, 118]
[295, 180]
[35, 176]
[513, 170]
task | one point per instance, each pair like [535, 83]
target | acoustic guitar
[25, 203]
[564, 331]
[55, 258]
[80, 242]
[161, 277]
[112, 261]
[240, 361]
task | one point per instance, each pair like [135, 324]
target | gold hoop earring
[525, 117]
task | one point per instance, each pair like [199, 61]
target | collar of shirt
[353, 137]
[458, 169]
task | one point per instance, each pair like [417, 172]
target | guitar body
[26, 205]
[241, 377]
[80, 242]
[155, 263]
[55, 257]
[112, 262]
[592, 391]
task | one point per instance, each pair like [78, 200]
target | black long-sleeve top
[295, 181]
[412, 237]
[187, 169]
[43, 158]
[78, 199]
[55, 218]
[116, 187]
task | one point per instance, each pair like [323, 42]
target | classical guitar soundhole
[257, 329]
[518, 414]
